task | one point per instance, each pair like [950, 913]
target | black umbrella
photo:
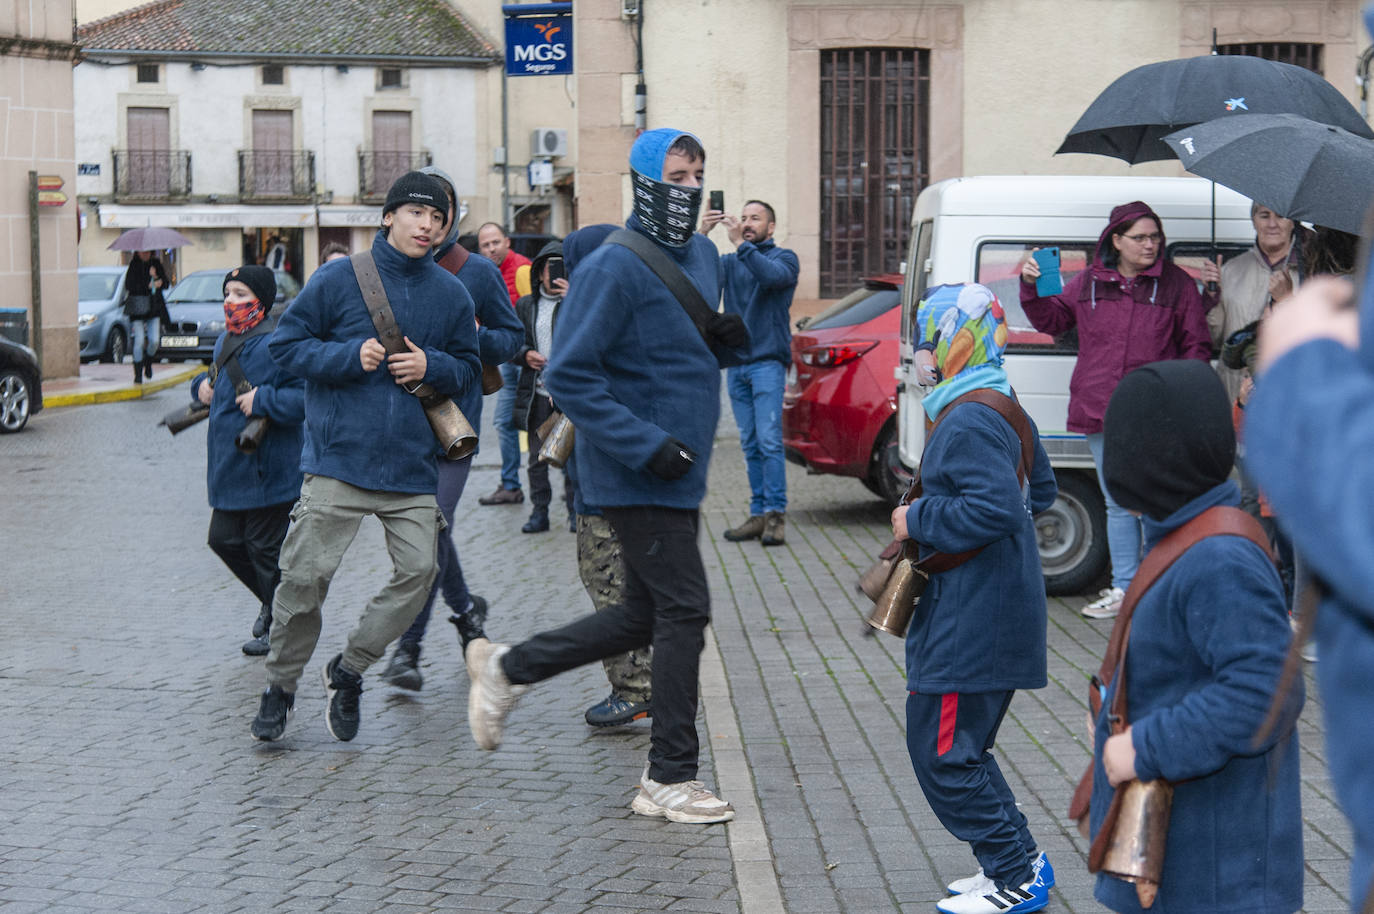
[1132, 115]
[1297, 167]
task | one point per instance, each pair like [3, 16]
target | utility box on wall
[548, 141]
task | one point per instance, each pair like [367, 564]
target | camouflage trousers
[602, 569]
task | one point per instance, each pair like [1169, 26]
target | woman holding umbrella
[143, 284]
[1130, 307]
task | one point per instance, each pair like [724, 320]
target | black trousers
[541, 492]
[249, 542]
[666, 604]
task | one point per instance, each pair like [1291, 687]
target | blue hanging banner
[538, 39]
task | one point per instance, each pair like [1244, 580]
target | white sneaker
[1107, 604]
[688, 802]
[1040, 864]
[978, 880]
[988, 899]
[491, 695]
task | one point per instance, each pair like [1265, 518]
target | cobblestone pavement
[128, 781]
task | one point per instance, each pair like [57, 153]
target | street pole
[505, 158]
[35, 271]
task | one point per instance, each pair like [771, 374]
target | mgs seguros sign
[538, 39]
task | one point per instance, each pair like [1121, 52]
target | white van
[979, 228]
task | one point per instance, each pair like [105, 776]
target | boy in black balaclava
[1207, 642]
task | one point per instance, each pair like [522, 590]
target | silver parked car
[101, 326]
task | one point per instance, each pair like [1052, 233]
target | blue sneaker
[986, 898]
[614, 711]
[1040, 864]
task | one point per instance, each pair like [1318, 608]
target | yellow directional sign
[49, 182]
[51, 198]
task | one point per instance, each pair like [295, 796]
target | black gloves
[672, 461]
[728, 330]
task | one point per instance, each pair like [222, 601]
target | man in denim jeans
[758, 280]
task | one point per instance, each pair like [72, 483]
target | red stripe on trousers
[949, 707]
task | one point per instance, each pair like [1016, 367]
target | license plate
[173, 342]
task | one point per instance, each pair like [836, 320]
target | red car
[839, 409]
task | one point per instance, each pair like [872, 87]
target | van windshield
[999, 268]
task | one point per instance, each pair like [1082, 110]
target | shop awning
[113, 215]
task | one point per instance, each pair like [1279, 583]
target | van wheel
[887, 478]
[1072, 534]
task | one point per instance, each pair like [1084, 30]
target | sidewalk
[129, 782]
[101, 382]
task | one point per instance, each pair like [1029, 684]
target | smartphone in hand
[556, 270]
[1050, 282]
[717, 201]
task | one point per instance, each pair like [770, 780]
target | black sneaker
[274, 711]
[257, 647]
[614, 711]
[470, 624]
[404, 669]
[342, 689]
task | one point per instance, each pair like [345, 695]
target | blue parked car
[196, 308]
[101, 326]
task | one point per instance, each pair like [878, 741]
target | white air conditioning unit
[548, 141]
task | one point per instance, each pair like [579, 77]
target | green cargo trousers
[323, 524]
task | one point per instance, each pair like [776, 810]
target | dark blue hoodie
[631, 371]
[979, 627]
[1207, 643]
[361, 427]
[758, 281]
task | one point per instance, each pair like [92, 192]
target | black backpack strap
[670, 274]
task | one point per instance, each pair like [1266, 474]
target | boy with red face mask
[251, 493]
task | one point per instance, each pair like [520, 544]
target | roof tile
[345, 28]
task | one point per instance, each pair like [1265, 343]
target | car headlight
[214, 327]
[85, 320]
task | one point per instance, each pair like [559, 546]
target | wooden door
[390, 148]
[150, 146]
[272, 158]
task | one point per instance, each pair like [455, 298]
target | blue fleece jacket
[758, 281]
[272, 474]
[1207, 643]
[1309, 431]
[501, 333]
[979, 627]
[631, 371]
[361, 426]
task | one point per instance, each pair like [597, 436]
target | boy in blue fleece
[979, 630]
[642, 387]
[368, 446]
[498, 338]
[1207, 642]
[251, 494]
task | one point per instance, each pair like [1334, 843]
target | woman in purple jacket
[1131, 307]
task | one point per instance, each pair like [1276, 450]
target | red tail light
[837, 354]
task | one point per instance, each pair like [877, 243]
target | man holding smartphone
[758, 280]
[538, 311]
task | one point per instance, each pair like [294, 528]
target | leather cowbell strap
[1015, 416]
[388, 333]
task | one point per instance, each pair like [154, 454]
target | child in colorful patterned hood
[979, 629]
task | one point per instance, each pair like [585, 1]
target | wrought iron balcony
[378, 170]
[286, 175]
[152, 175]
